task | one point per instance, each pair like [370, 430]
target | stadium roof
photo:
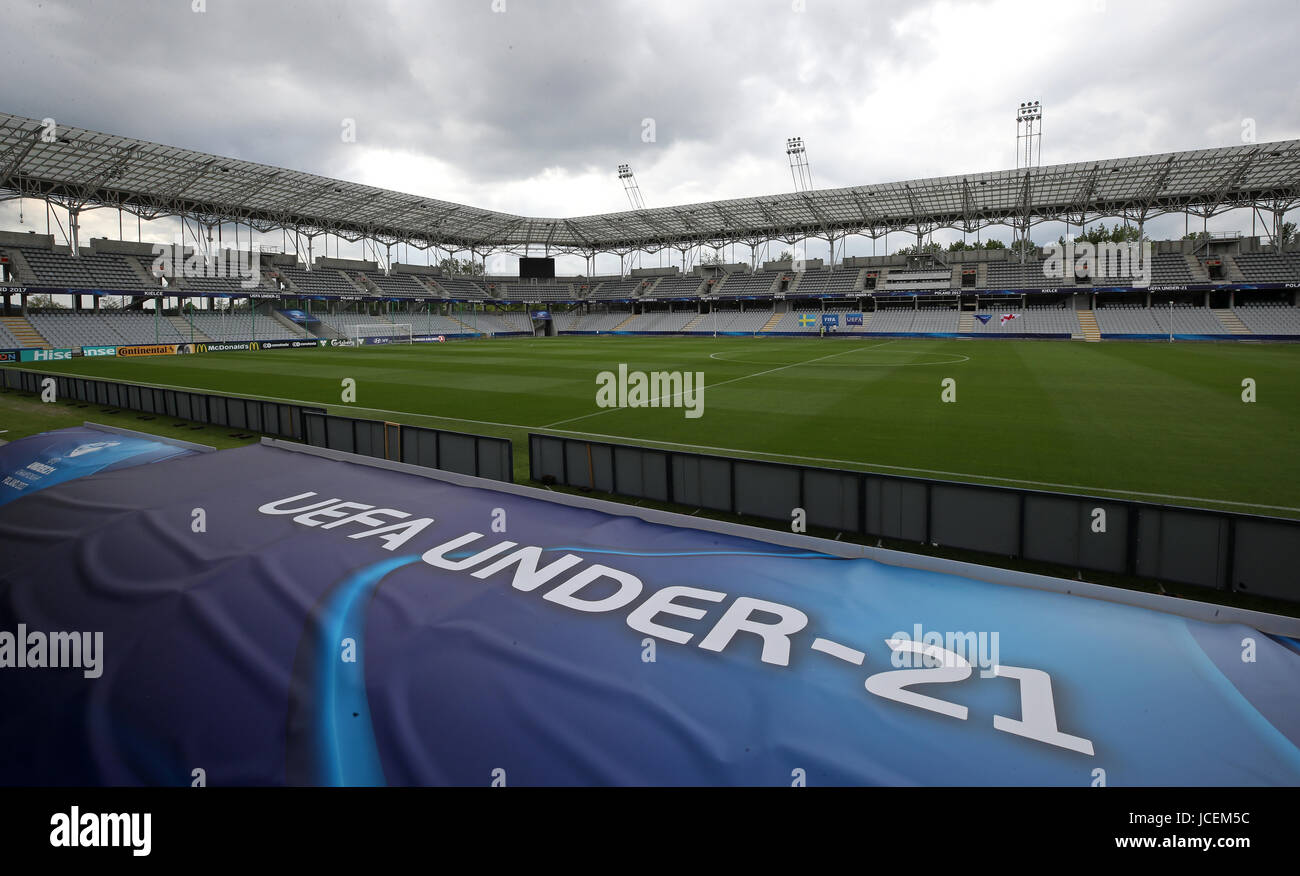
[82, 169]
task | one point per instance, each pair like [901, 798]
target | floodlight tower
[630, 187]
[1029, 134]
[800, 170]
[633, 192]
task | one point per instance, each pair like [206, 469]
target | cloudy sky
[528, 106]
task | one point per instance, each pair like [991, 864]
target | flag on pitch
[984, 317]
[806, 319]
[1007, 317]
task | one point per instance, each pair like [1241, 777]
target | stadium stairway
[1196, 268]
[23, 332]
[469, 329]
[1231, 322]
[623, 324]
[771, 322]
[690, 326]
[294, 328]
[183, 326]
[18, 265]
[1088, 324]
[1231, 272]
[142, 268]
[967, 323]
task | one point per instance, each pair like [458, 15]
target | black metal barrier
[269, 418]
[1223, 550]
[476, 455]
[433, 448]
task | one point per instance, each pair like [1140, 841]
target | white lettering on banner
[601, 589]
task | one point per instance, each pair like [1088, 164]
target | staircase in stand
[182, 325]
[23, 332]
[771, 322]
[1088, 325]
[1229, 320]
[468, 328]
[622, 325]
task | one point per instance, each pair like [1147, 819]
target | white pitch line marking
[861, 464]
[958, 361]
[723, 383]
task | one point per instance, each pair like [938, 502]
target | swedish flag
[807, 319]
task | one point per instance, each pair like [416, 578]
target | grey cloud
[566, 84]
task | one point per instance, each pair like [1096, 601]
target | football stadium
[981, 477]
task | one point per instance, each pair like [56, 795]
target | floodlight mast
[633, 192]
[800, 170]
[630, 187]
[1029, 134]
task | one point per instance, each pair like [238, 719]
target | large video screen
[536, 269]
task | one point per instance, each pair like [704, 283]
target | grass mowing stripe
[1156, 421]
[726, 382]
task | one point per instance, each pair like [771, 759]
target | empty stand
[676, 287]
[322, 281]
[759, 285]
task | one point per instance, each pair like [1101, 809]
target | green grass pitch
[1153, 421]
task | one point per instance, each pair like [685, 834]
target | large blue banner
[41, 461]
[337, 624]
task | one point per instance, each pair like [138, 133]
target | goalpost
[395, 333]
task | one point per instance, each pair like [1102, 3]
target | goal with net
[380, 333]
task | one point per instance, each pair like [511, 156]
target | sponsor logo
[429, 339]
[9, 356]
[99, 351]
[285, 345]
[220, 348]
[148, 350]
[45, 355]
